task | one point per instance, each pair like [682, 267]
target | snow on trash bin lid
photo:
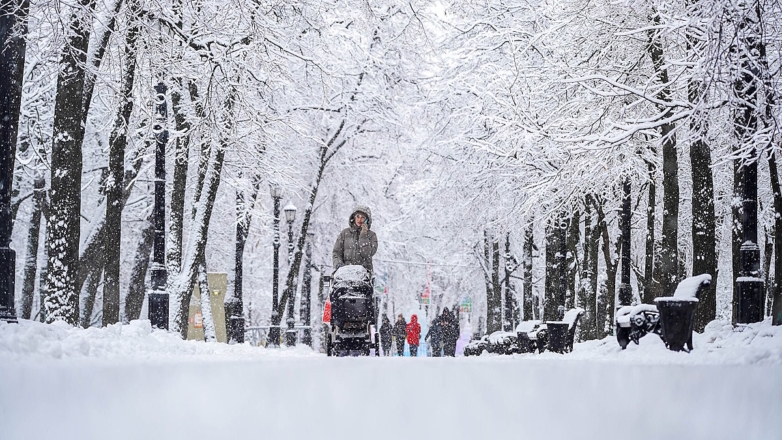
[688, 288]
[351, 276]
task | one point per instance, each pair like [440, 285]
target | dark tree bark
[587, 295]
[776, 307]
[529, 247]
[573, 238]
[93, 282]
[552, 275]
[612, 265]
[650, 291]
[33, 237]
[670, 231]
[487, 276]
[114, 190]
[63, 228]
[494, 319]
[704, 241]
[737, 231]
[138, 275]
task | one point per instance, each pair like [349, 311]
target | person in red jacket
[413, 335]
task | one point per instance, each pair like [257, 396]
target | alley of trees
[495, 141]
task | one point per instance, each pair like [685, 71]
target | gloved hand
[364, 229]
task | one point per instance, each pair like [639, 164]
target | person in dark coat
[413, 335]
[400, 334]
[450, 332]
[434, 337]
[385, 336]
[356, 244]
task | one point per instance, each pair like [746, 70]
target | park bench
[635, 322]
[528, 337]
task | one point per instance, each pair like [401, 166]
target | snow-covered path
[295, 394]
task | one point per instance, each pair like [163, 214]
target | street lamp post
[158, 298]
[290, 217]
[306, 292]
[274, 330]
[749, 284]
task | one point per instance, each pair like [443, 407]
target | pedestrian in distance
[386, 335]
[434, 337]
[450, 331]
[413, 335]
[400, 333]
[356, 244]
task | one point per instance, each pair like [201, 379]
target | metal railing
[258, 335]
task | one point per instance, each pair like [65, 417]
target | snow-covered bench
[634, 322]
[534, 335]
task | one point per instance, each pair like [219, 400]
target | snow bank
[720, 343]
[34, 341]
[130, 382]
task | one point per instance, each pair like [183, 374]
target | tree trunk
[670, 232]
[494, 323]
[586, 296]
[180, 285]
[551, 284]
[114, 191]
[181, 162]
[33, 237]
[93, 282]
[612, 265]
[487, 276]
[776, 307]
[529, 246]
[206, 304]
[327, 152]
[650, 276]
[704, 238]
[573, 238]
[138, 275]
[62, 302]
[13, 43]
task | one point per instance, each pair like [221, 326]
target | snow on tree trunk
[529, 246]
[206, 304]
[180, 284]
[33, 238]
[138, 274]
[63, 228]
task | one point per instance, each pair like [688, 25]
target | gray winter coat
[353, 247]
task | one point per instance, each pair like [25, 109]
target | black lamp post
[562, 262]
[290, 217]
[157, 297]
[274, 331]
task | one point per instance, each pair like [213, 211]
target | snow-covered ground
[128, 382]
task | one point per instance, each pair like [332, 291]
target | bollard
[677, 317]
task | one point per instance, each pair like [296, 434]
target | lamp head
[290, 213]
[275, 190]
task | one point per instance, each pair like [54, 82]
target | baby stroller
[350, 330]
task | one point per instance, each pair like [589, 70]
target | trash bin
[558, 333]
[158, 310]
[677, 316]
